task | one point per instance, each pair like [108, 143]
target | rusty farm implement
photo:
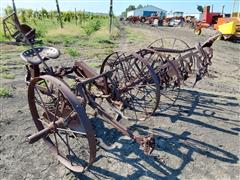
[129, 86]
[172, 60]
[16, 30]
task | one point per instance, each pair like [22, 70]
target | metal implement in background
[16, 30]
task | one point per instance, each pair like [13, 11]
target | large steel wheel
[136, 84]
[169, 78]
[170, 43]
[71, 138]
[171, 91]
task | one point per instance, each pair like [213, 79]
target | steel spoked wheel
[70, 136]
[169, 78]
[136, 84]
[171, 92]
[170, 43]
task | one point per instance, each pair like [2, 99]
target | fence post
[75, 13]
[14, 7]
[110, 16]
[59, 14]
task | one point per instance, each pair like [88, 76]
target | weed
[4, 69]
[134, 35]
[73, 52]
[5, 92]
[7, 76]
[71, 83]
[92, 26]
[94, 64]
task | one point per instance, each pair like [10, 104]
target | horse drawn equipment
[131, 85]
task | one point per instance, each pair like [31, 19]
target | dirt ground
[198, 138]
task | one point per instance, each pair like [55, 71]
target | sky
[187, 6]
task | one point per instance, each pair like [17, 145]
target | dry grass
[134, 34]
[7, 76]
[68, 30]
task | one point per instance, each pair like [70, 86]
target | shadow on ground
[191, 107]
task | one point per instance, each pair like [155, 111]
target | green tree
[130, 8]
[22, 13]
[139, 6]
[8, 10]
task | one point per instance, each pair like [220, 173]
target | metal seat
[38, 54]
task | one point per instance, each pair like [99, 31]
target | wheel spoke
[58, 111]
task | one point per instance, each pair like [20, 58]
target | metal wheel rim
[151, 72]
[78, 108]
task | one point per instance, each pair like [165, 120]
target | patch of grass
[102, 38]
[94, 64]
[91, 26]
[21, 48]
[69, 35]
[2, 37]
[71, 83]
[4, 69]
[8, 76]
[5, 92]
[53, 40]
[73, 52]
[11, 62]
[133, 34]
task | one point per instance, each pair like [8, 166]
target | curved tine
[209, 42]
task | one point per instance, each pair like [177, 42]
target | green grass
[92, 26]
[5, 92]
[4, 69]
[72, 52]
[7, 76]
[94, 64]
[71, 83]
[134, 35]
[2, 37]
[89, 39]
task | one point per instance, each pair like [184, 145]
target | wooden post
[110, 16]
[14, 7]
[75, 13]
[59, 14]
[223, 11]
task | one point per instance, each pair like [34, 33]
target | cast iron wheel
[169, 92]
[135, 84]
[169, 80]
[170, 43]
[51, 100]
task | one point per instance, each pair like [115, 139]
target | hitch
[148, 144]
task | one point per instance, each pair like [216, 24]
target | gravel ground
[198, 138]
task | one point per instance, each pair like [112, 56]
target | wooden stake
[59, 14]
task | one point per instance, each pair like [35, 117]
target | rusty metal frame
[23, 31]
[80, 97]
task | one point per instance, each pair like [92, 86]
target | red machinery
[209, 18]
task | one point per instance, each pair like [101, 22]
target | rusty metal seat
[38, 54]
[20, 32]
